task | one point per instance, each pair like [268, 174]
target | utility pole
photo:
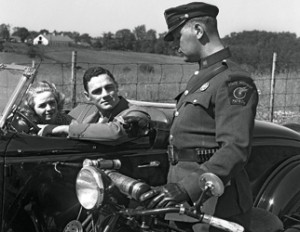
[73, 78]
[272, 88]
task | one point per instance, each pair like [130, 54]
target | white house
[40, 39]
[53, 40]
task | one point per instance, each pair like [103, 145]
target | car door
[1, 181]
[4, 172]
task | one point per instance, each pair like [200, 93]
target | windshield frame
[27, 78]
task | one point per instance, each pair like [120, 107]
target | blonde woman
[43, 105]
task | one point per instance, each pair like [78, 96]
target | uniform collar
[214, 58]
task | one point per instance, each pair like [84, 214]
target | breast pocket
[202, 99]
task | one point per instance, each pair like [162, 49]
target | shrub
[1, 46]
[33, 52]
[126, 69]
[146, 68]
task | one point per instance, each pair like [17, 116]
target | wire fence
[162, 82]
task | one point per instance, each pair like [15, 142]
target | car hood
[267, 133]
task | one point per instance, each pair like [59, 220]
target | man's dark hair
[93, 72]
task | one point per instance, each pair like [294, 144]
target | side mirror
[212, 184]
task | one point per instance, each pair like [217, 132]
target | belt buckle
[172, 155]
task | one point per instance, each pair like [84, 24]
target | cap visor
[169, 36]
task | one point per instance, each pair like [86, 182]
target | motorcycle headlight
[89, 187]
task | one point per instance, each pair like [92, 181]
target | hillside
[141, 76]
[150, 77]
[84, 55]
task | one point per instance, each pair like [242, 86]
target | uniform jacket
[95, 127]
[219, 114]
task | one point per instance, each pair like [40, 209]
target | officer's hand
[136, 126]
[165, 196]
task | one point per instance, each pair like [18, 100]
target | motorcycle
[110, 202]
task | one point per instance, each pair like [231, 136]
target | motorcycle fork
[111, 223]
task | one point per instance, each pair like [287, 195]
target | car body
[37, 174]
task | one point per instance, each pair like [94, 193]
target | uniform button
[196, 73]
[186, 92]
[171, 138]
[176, 113]
[204, 86]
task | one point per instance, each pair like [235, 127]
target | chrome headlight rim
[85, 189]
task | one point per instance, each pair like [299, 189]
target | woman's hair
[40, 87]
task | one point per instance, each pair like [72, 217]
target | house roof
[58, 38]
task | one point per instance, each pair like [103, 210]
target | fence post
[73, 78]
[272, 88]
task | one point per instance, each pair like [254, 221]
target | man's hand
[136, 126]
[47, 130]
[165, 196]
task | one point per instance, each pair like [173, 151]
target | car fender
[280, 193]
[44, 192]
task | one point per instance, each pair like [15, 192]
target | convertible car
[37, 174]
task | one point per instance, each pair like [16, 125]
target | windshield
[14, 82]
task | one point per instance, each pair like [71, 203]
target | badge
[204, 86]
[239, 92]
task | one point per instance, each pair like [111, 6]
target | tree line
[253, 49]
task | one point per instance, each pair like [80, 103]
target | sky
[96, 17]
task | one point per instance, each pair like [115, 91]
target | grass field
[85, 55]
[141, 76]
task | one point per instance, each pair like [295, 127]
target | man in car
[213, 122]
[115, 119]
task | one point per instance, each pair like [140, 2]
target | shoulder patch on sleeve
[240, 90]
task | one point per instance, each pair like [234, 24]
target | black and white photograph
[149, 116]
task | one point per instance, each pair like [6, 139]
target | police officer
[213, 123]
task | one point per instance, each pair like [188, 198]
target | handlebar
[102, 163]
[222, 224]
[208, 219]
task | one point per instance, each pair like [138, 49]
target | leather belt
[199, 155]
